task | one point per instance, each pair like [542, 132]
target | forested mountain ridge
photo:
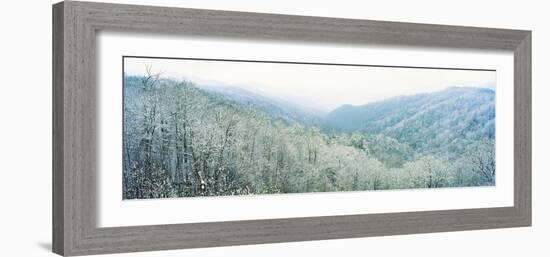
[440, 122]
[183, 140]
[443, 121]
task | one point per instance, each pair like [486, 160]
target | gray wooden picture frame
[75, 25]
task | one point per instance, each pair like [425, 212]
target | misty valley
[185, 139]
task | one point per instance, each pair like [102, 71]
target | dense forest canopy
[182, 139]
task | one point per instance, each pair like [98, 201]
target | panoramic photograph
[203, 127]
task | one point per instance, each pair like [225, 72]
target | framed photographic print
[182, 128]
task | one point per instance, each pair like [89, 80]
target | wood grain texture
[522, 128]
[57, 130]
[74, 126]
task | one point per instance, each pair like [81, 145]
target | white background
[25, 129]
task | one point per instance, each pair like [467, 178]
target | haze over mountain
[278, 109]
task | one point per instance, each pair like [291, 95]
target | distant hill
[443, 121]
[278, 109]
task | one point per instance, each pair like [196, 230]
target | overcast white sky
[324, 87]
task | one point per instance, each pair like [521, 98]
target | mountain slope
[443, 121]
